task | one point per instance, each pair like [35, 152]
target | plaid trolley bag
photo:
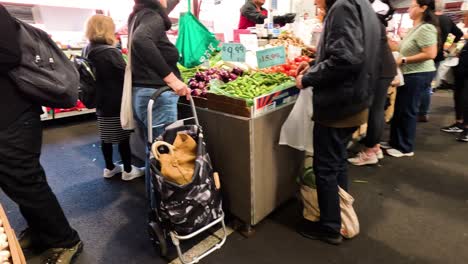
[182, 212]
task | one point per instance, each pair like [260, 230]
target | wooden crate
[221, 103]
[17, 256]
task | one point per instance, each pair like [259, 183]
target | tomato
[293, 67]
[292, 73]
[298, 59]
[286, 67]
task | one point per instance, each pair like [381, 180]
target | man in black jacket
[343, 78]
[22, 177]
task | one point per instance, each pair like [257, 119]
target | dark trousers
[331, 170]
[376, 122]
[460, 97]
[403, 127]
[125, 154]
[23, 179]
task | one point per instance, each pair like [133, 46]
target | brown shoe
[423, 119]
[61, 255]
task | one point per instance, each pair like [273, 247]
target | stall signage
[271, 57]
[268, 102]
[233, 52]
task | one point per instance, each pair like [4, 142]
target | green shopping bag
[195, 42]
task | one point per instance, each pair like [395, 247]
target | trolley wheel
[157, 238]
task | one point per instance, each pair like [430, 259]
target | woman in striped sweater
[110, 69]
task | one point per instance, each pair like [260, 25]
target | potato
[3, 245]
[2, 230]
[3, 238]
[4, 255]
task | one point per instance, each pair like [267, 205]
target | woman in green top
[418, 49]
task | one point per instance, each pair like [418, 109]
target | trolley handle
[153, 98]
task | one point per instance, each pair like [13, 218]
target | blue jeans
[426, 94]
[331, 171]
[164, 108]
[403, 128]
[164, 112]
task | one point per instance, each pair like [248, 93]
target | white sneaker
[398, 154]
[133, 174]
[379, 154]
[111, 173]
[363, 158]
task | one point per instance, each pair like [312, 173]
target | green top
[420, 37]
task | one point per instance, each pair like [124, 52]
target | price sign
[233, 52]
[271, 57]
[249, 41]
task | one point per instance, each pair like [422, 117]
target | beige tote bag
[127, 119]
[349, 219]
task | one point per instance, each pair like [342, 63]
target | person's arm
[344, 49]
[252, 14]
[145, 41]
[116, 60]
[457, 32]
[10, 53]
[427, 40]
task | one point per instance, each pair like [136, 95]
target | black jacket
[110, 72]
[12, 103]
[347, 67]
[447, 27]
[153, 55]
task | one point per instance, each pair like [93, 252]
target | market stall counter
[242, 110]
[257, 174]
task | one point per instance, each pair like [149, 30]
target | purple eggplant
[199, 76]
[196, 92]
[237, 71]
[201, 85]
[233, 76]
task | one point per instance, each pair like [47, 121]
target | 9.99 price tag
[233, 52]
[271, 57]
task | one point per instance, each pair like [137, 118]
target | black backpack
[45, 74]
[84, 66]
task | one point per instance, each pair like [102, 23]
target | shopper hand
[302, 68]
[299, 81]
[180, 88]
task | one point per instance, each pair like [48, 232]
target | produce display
[289, 68]
[200, 83]
[251, 86]
[238, 80]
[287, 38]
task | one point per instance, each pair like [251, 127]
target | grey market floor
[412, 210]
